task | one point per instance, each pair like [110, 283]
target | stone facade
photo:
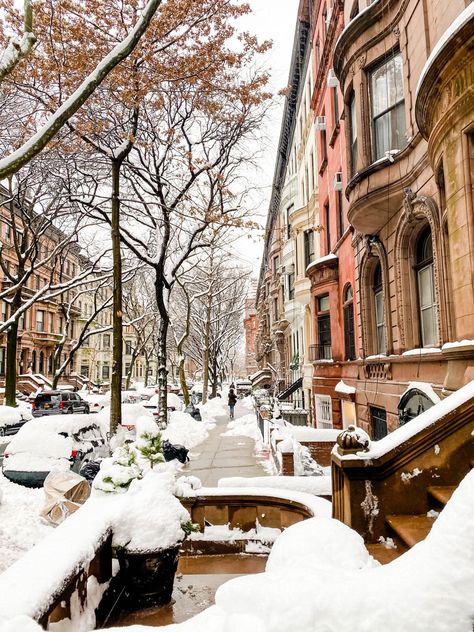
[410, 199]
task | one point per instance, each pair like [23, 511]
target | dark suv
[57, 403]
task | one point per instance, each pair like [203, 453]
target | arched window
[426, 289]
[349, 338]
[41, 363]
[379, 310]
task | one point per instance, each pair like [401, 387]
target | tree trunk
[147, 368]
[12, 348]
[162, 372]
[215, 376]
[182, 380]
[116, 382]
[205, 365]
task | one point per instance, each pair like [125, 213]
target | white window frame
[323, 410]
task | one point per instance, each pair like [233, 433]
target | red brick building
[332, 274]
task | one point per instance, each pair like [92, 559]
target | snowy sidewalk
[220, 456]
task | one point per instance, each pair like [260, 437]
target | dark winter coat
[232, 399]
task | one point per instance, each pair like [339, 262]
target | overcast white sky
[275, 20]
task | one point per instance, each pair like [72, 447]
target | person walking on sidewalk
[231, 401]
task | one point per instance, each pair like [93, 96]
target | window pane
[428, 326]
[425, 287]
[379, 308]
[323, 303]
[387, 85]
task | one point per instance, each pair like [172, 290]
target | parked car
[64, 443]
[96, 402]
[12, 419]
[58, 403]
[243, 388]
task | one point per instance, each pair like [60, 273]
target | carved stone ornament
[352, 440]
[409, 205]
[396, 31]
[361, 60]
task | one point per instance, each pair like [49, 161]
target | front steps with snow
[407, 530]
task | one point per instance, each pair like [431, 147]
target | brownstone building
[250, 327]
[406, 69]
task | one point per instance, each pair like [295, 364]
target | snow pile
[319, 545]
[152, 515]
[247, 402]
[337, 587]
[458, 345]
[245, 426]
[302, 433]
[130, 414]
[185, 430]
[342, 387]
[185, 485]
[215, 407]
[20, 524]
[223, 533]
[424, 387]
[317, 485]
[10, 416]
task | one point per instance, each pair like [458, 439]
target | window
[127, 368]
[2, 360]
[275, 310]
[340, 213]
[289, 210]
[328, 227]
[426, 289]
[51, 323]
[8, 232]
[4, 311]
[349, 338]
[291, 286]
[105, 372]
[324, 328]
[275, 265]
[353, 133]
[323, 411]
[335, 105]
[388, 106]
[308, 247]
[379, 422]
[106, 341]
[85, 370]
[325, 23]
[323, 147]
[318, 54]
[128, 348]
[41, 363]
[379, 311]
[39, 320]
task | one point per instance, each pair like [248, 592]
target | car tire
[70, 411]
[2, 432]
[86, 410]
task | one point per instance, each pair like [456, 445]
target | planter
[148, 577]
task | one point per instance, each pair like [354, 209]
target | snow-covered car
[56, 442]
[96, 402]
[147, 392]
[172, 400]
[130, 397]
[12, 419]
[130, 414]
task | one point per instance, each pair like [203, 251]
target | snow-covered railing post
[391, 476]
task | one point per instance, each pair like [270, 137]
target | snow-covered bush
[117, 473]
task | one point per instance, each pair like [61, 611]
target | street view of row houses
[237, 315]
[365, 298]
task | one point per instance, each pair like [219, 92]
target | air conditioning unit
[337, 183]
[321, 123]
[332, 79]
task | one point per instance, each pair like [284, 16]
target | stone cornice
[448, 77]
[358, 26]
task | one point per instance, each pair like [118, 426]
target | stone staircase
[406, 530]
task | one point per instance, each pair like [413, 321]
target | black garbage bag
[177, 451]
[194, 412]
[90, 470]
